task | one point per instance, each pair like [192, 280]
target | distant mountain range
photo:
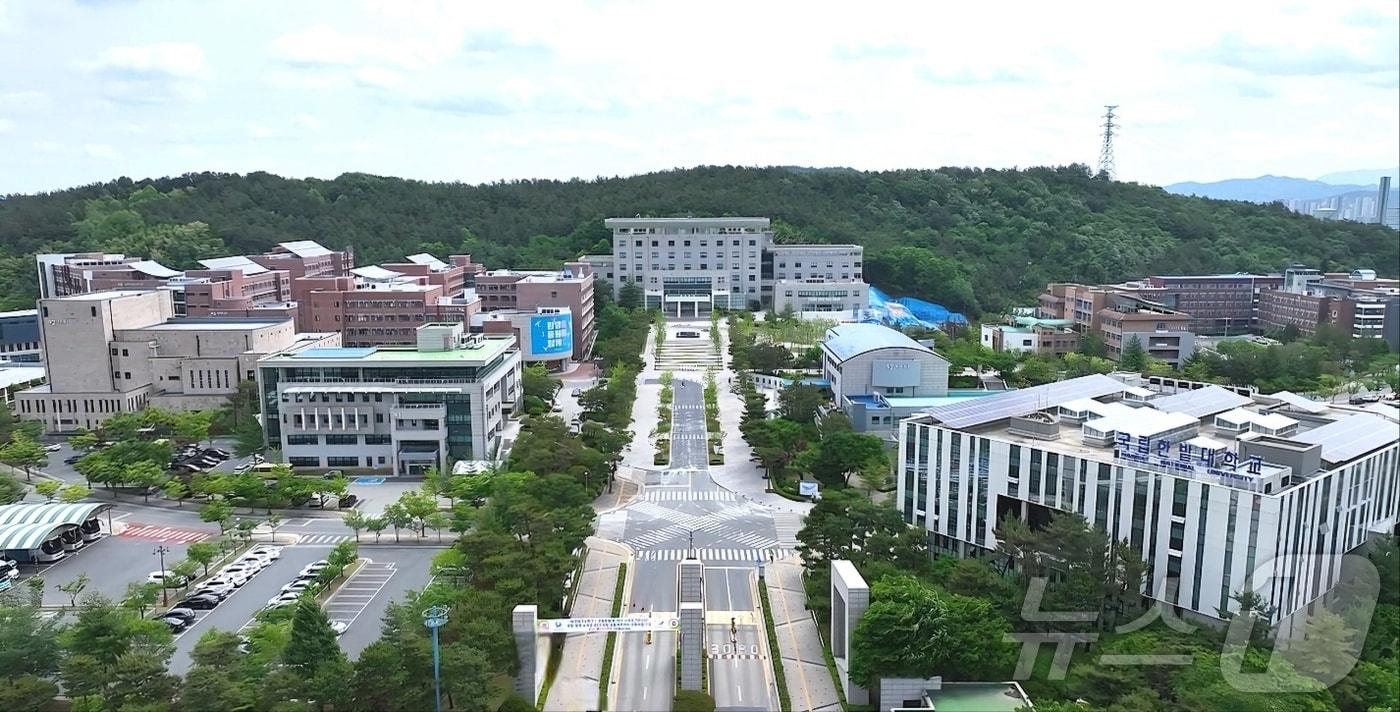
[1349, 195]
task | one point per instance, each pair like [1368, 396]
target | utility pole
[434, 618]
[161, 551]
[1106, 167]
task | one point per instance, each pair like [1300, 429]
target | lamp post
[161, 551]
[434, 618]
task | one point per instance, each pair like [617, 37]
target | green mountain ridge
[975, 240]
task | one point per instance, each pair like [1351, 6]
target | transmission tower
[1106, 151]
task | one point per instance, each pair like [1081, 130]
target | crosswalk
[746, 555]
[786, 525]
[661, 495]
[155, 532]
[689, 435]
[324, 538]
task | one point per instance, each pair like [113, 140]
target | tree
[535, 381]
[376, 526]
[438, 521]
[24, 453]
[630, 295]
[800, 402]
[835, 460]
[48, 489]
[1134, 357]
[693, 701]
[75, 588]
[74, 493]
[83, 439]
[398, 517]
[27, 692]
[28, 640]
[1091, 344]
[1254, 607]
[312, 641]
[217, 512]
[141, 596]
[202, 553]
[356, 520]
[176, 490]
[193, 426]
[913, 630]
[146, 476]
[11, 489]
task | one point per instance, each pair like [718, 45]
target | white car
[218, 590]
[242, 568]
[231, 578]
[53, 448]
[283, 599]
[314, 568]
[296, 587]
[339, 627]
[266, 551]
[165, 578]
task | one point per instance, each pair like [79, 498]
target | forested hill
[976, 240]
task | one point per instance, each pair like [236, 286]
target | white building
[391, 409]
[879, 375]
[1216, 489]
[689, 266]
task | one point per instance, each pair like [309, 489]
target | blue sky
[476, 92]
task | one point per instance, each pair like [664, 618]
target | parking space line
[383, 572]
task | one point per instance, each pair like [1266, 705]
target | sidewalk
[640, 452]
[739, 473]
[808, 680]
[576, 683]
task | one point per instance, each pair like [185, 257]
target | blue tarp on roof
[908, 311]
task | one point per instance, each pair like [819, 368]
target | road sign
[606, 625]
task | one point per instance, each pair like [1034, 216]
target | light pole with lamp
[161, 551]
[434, 618]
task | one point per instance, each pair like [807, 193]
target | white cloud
[100, 150]
[378, 77]
[6, 125]
[309, 122]
[26, 101]
[169, 59]
[258, 131]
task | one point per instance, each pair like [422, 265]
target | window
[377, 439]
[303, 440]
[342, 440]
[342, 462]
[304, 461]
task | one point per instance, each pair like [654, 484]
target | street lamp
[434, 618]
[161, 551]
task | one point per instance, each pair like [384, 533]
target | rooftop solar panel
[1202, 401]
[1351, 437]
[980, 411]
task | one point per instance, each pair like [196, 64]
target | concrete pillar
[692, 621]
[524, 619]
[850, 596]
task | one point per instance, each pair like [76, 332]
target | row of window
[370, 461]
[685, 243]
[338, 439]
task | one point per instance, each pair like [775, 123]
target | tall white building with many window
[391, 409]
[1219, 492]
[689, 266]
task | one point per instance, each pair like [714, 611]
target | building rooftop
[15, 375]
[104, 296]
[423, 258]
[846, 341]
[375, 272]
[221, 323]
[698, 222]
[154, 269]
[238, 263]
[304, 248]
[481, 351]
[978, 697]
[19, 313]
[816, 245]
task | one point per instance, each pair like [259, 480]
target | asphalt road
[110, 563]
[362, 600]
[738, 668]
[684, 511]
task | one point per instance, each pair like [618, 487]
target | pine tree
[1134, 357]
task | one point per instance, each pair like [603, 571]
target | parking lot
[110, 563]
[360, 602]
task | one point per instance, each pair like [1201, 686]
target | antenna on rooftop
[1106, 167]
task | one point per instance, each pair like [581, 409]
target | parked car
[53, 448]
[296, 586]
[217, 590]
[283, 599]
[314, 568]
[576, 392]
[176, 624]
[339, 627]
[166, 579]
[231, 578]
[348, 501]
[200, 602]
[267, 550]
[186, 613]
[73, 459]
[557, 409]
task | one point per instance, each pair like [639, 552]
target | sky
[485, 91]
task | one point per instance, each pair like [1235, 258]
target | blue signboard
[552, 334]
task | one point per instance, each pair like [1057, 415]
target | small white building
[391, 409]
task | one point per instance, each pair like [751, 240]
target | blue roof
[335, 352]
[847, 341]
